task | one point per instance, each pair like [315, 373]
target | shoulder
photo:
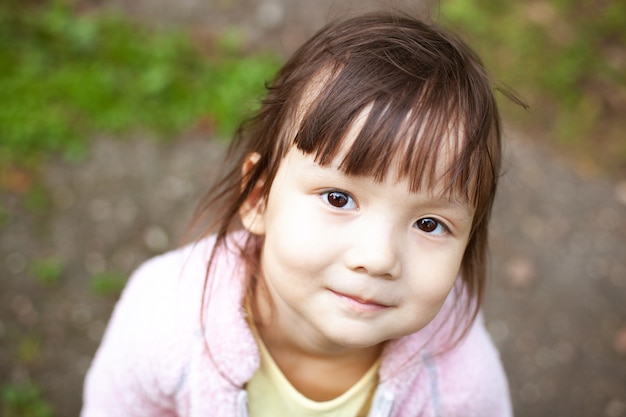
[162, 290]
[173, 268]
[471, 377]
[466, 379]
[173, 283]
[143, 359]
[163, 298]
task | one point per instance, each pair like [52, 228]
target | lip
[360, 304]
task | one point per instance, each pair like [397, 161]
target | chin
[356, 342]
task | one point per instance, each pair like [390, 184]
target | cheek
[434, 278]
[296, 240]
[428, 294]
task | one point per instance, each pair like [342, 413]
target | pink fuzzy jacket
[154, 361]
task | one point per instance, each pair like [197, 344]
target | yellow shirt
[270, 394]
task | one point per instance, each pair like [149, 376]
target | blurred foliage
[24, 400]
[567, 59]
[28, 350]
[48, 270]
[108, 284]
[4, 217]
[37, 199]
[66, 75]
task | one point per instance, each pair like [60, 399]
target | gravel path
[556, 304]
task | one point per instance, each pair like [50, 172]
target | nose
[375, 249]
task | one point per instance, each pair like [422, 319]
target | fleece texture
[166, 353]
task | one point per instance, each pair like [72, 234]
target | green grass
[66, 76]
[4, 217]
[567, 58]
[108, 284]
[47, 270]
[24, 400]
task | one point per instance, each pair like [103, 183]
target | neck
[320, 371]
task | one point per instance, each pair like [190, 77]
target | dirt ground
[556, 303]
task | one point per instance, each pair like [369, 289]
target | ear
[252, 210]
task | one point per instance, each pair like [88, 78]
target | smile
[360, 304]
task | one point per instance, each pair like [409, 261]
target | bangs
[422, 129]
[379, 94]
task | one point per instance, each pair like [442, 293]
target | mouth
[360, 304]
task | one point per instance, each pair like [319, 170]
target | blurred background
[114, 116]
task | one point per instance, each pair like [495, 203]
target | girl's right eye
[339, 199]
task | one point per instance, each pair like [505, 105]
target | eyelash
[342, 194]
[439, 224]
[339, 194]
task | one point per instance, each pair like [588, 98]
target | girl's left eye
[431, 226]
[339, 199]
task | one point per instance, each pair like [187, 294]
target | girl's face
[349, 262]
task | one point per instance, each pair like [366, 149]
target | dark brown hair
[423, 90]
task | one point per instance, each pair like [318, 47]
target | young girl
[345, 270]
